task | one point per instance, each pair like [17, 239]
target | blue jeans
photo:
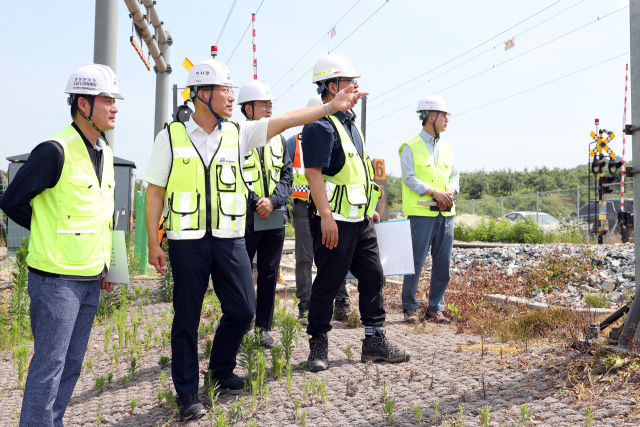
[62, 313]
[435, 233]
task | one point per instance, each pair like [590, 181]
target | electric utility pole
[105, 42]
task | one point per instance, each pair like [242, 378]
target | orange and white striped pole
[255, 61]
[624, 123]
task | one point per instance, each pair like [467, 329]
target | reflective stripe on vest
[200, 198]
[300, 183]
[273, 157]
[71, 222]
[437, 176]
[352, 194]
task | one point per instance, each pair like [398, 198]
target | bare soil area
[448, 365]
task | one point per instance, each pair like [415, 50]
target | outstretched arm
[344, 100]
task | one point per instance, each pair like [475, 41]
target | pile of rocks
[613, 269]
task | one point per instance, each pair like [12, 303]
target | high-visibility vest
[437, 176]
[199, 198]
[71, 223]
[351, 192]
[300, 183]
[270, 165]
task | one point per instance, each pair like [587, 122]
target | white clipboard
[395, 247]
[119, 267]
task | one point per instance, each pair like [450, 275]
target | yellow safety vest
[71, 223]
[351, 192]
[271, 164]
[200, 199]
[300, 183]
[437, 176]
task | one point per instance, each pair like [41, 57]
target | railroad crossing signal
[601, 143]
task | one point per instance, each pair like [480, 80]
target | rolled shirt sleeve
[409, 172]
[159, 166]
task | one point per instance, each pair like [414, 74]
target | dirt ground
[446, 367]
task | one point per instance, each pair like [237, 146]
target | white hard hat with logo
[315, 101]
[209, 72]
[93, 80]
[433, 103]
[332, 66]
[255, 90]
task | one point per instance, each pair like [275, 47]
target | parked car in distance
[589, 213]
[543, 218]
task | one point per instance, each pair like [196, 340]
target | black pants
[268, 245]
[192, 263]
[357, 251]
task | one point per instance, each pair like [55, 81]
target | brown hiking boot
[438, 317]
[410, 317]
[342, 309]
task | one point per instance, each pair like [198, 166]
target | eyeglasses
[349, 81]
[227, 91]
[267, 107]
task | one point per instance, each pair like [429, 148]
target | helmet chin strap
[75, 102]
[208, 104]
[434, 128]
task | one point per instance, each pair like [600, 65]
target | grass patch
[558, 271]
[600, 300]
[524, 230]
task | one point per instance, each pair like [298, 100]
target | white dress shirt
[252, 134]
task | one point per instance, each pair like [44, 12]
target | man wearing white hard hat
[429, 181]
[64, 194]
[268, 175]
[195, 178]
[304, 241]
[343, 201]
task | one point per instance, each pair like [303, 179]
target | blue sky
[547, 126]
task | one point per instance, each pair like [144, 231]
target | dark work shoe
[303, 310]
[266, 340]
[342, 309]
[190, 407]
[318, 354]
[377, 348]
[232, 385]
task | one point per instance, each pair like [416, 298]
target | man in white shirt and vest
[268, 175]
[341, 212]
[304, 242]
[195, 181]
[64, 195]
[429, 176]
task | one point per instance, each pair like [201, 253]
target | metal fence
[567, 206]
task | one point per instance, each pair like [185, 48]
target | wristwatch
[327, 109]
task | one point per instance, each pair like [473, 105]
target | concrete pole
[162, 88]
[175, 100]
[105, 43]
[633, 319]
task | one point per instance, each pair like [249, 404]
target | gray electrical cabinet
[122, 217]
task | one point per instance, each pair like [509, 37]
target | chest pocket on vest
[274, 175]
[226, 177]
[251, 177]
[249, 161]
[84, 195]
[277, 155]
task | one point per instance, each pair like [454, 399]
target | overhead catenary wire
[370, 16]
[515, 94]
[233, 5]
[466, 61]
[504, 62]
[244, 34]
[472, 49]
[314, 46]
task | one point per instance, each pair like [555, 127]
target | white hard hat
[331, 66]
[255, 90]
[315, 101]
[433, 103]
[95, 80]
[210, 72]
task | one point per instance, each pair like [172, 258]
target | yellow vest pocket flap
[81, 181]
[184, 203]
[233, 205]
